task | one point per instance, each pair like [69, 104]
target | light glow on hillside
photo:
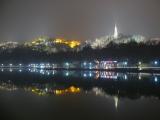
[70, 43]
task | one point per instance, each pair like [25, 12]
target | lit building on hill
[70, 43]
[8, 45]
[116, 38]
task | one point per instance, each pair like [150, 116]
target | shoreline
[122, 70]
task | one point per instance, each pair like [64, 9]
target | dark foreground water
[78, 95]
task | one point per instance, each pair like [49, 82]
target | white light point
[115, 32]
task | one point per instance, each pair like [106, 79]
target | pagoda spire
[115, 32]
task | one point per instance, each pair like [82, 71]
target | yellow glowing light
[71, 44]
[59, 40]
[71, 89]
[38, 91]
[33, 90]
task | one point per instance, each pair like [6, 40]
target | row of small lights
[155, 62]
[67, 64]
[11, 64]
[84, 75]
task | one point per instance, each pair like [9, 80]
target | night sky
[22, 20]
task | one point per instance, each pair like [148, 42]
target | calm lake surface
[32, 94]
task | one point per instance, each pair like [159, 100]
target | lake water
[31, 94]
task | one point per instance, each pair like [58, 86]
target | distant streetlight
[155, 62]
[84, 63]
[84, 75]
[67, 64]
[125, 63]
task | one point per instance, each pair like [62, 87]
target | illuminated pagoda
[115, 32]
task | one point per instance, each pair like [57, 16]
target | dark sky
[77, 19]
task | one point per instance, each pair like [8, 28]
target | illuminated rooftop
[70, 43]
[46, 40]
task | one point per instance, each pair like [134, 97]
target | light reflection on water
[83, 76]
[112, 88]
[89, 74]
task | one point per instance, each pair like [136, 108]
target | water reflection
[89, 88]
[109, 92]
[89, 74]
[8, 86]
[102, 83]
